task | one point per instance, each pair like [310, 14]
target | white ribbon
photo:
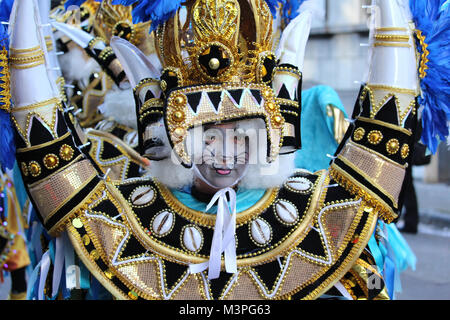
[59, 263]
[45, 266]
[224, 240]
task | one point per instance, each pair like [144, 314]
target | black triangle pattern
[194, 100]
[312, 244]
[149, 95]
[388, 112]
[284, 93]
[236, 95]
[173, 273]
[214, 97]
[257, 95]
[39, 133]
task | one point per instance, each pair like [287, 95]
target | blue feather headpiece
[70, 3]
[156, 11]
[159, 11]
[7, 144]
[432, 20]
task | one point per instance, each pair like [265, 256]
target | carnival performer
[225, 112]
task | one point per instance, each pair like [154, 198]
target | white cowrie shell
[192, 238]
[299, 184]
[163, 223]
[286, 212]
[260, 231]
[142, 196]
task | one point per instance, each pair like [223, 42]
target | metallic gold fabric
[50, 194]
[382, 172]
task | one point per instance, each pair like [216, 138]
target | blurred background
[337, 56]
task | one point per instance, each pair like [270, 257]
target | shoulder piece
[299, 239]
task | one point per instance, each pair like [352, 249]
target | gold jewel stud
[404, 152]
[34, 168]
[214, 63]
[375, 137]
[51, 161]
[392, 146]
[86, 240]
[24, 168]
[66, 152]
[163, 85]
[94, 254]
[77, 223]
[359, 134]
[133, 295]
[178, 116]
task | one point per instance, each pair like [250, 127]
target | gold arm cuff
[53, 193]
[387, 176]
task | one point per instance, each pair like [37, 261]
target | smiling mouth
[223, 172]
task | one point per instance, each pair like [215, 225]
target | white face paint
[224, 156]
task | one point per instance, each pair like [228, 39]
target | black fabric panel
[106, 207]
[39, 133]
[313, 244]
[218, 285]
[336, 193]
[194, 100]
[109, 151]
[388, 134]
[173, 273]
[269, 273]
[388, 112]
[132, 248]
[39, 154]
[236, 94]
[214, 96]
[357, 107]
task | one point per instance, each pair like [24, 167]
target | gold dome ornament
[375, 137]
[51, 161]
[404, 152]
[359, 134]
[34, 168]
[392, 146]
[66, 152]
[214, 63]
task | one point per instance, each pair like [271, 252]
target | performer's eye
[210, 139]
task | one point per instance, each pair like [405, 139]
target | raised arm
[56, 172]
[372, 159]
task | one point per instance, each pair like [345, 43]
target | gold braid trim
[424, 57]
[5, 93]
[355, 188]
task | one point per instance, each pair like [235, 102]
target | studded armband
[372, 160]
[105, 56]
[56, 172]
[287, 83]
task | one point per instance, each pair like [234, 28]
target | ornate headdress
[218, 65]
[116, 20]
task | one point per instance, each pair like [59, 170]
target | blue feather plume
[73, 3]
[5, 9]
[156, 11]
[290, 10]
[7, 143]
[432, 18]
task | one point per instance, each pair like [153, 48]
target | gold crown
[218, 66]
[219, 41]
